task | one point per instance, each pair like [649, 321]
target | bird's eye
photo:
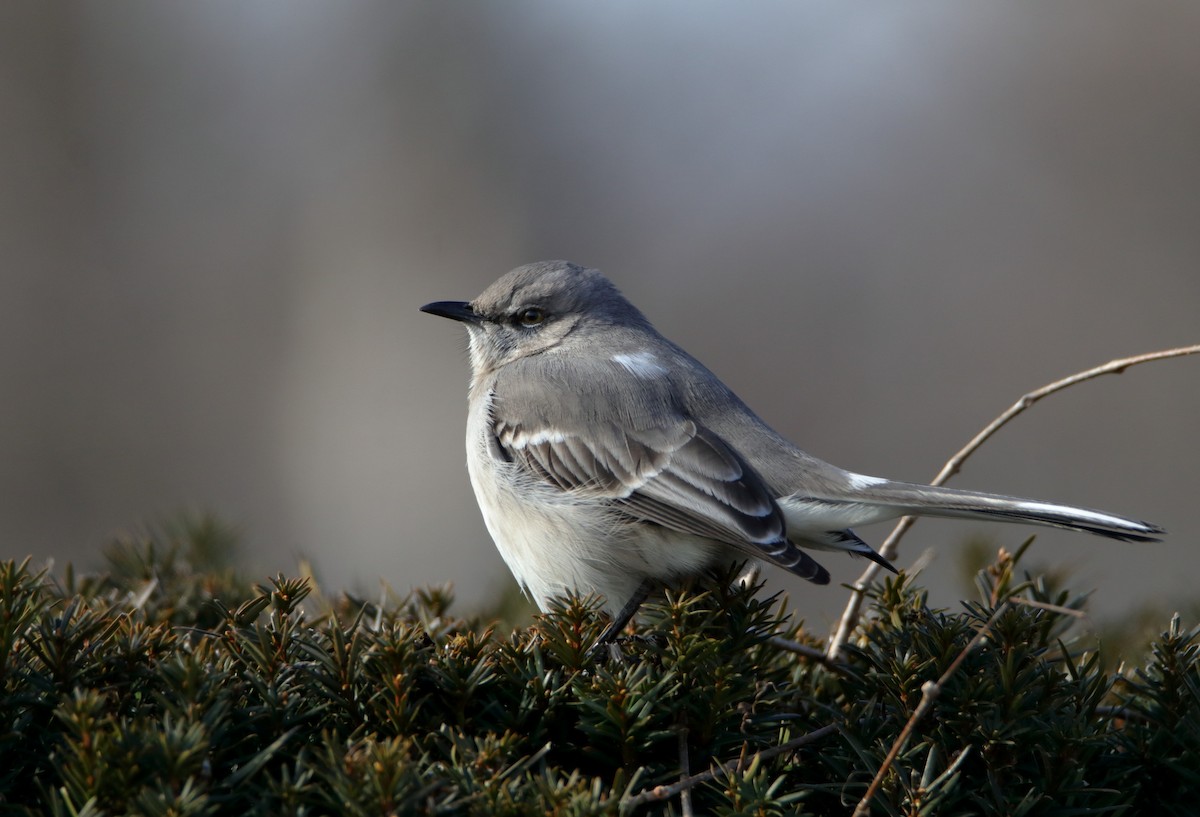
[530, 316]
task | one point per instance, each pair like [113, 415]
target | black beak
[454, 310]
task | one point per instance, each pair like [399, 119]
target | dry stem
[929, 694]
[660, 793]
[888, 550]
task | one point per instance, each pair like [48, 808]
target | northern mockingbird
[607, 459]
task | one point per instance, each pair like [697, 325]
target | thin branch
[930, 690]
[1054, 608]
[685, 768]
[1121, 713]
[889, 548]
[660, 793]
[811, 653]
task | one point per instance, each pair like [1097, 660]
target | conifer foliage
[169, 686]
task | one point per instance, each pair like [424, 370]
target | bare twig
[888, 550]
[685, 768]
[811, 653]
[1123, 713]
[660, 793]
[1054, 608]
[930, 690]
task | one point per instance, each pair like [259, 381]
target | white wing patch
[641, 364]
[521, 439]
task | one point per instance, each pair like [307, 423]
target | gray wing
[673, 472]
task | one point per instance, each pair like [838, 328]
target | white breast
[556, 542]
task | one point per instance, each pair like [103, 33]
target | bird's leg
[622, 618]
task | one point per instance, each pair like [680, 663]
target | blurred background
[879, 223]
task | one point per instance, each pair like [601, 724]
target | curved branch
[889, 548]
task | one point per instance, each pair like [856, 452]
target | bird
[607, 460]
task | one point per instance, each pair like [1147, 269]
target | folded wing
[681, 476]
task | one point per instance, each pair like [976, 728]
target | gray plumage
[605, 457]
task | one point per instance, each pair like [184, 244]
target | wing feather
[682, 476]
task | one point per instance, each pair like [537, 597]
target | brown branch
[660, 793]
[811, 653]
[1054, 608]
[930, 690]
[889, 548]
[685, 768]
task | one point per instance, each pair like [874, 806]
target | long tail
[926, 500]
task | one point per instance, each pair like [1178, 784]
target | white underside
[558, 543]
[805, 518]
